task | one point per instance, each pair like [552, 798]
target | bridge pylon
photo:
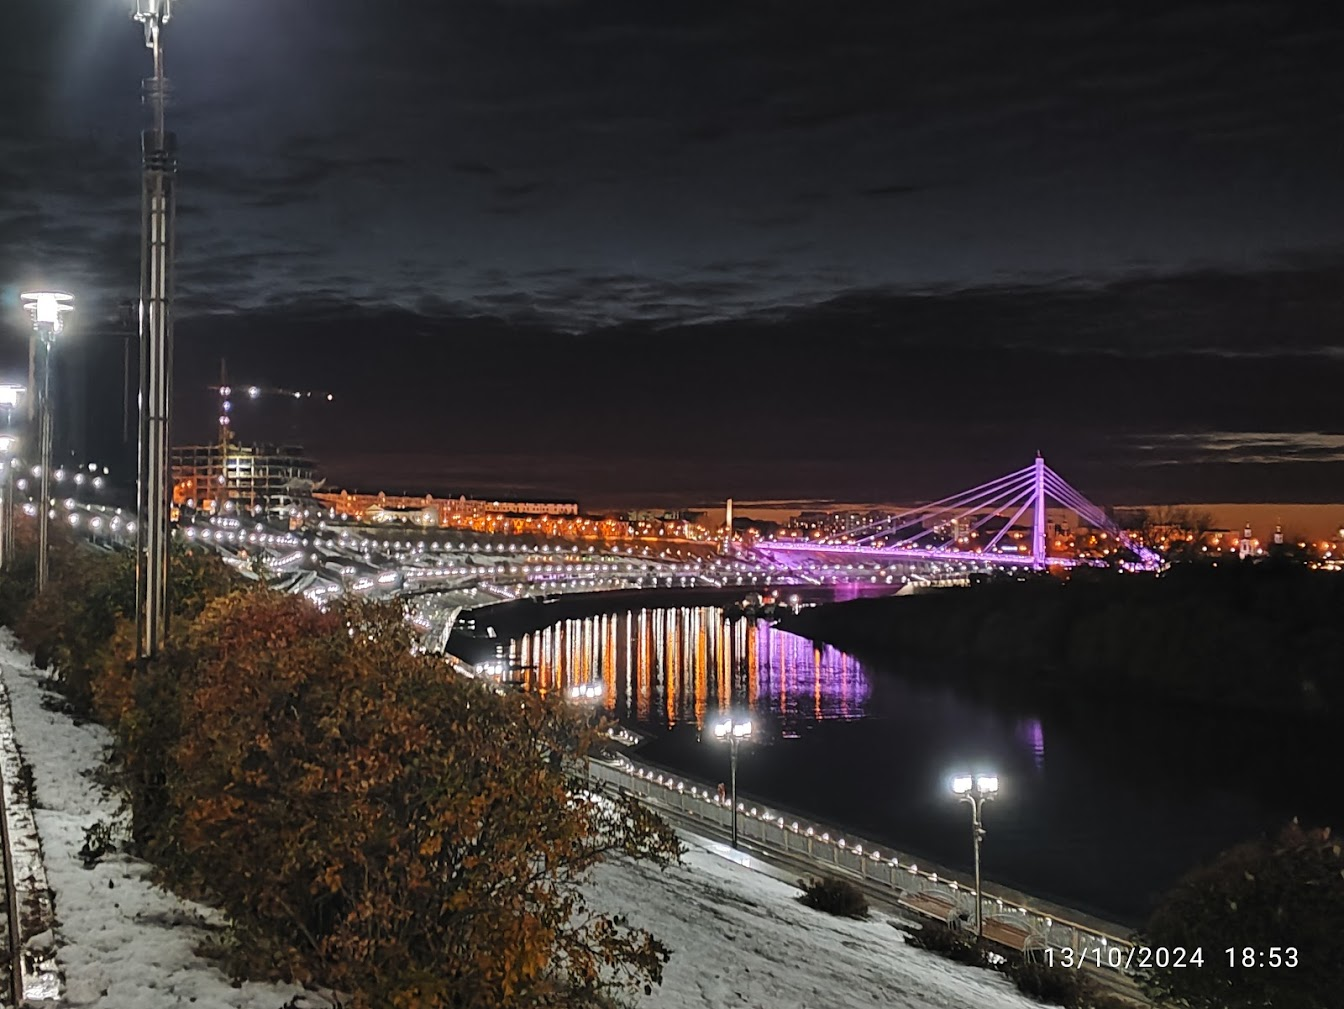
[1038, 554]
[1000, 507]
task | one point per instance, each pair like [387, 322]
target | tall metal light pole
[976, 791]
[46, 309]
[733, 731]
[154, 480]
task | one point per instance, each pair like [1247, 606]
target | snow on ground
[122, 941]
[740, 938]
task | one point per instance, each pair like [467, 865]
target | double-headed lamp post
[734, 731]
[46, 309]
[976, 790]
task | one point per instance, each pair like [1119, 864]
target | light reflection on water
[676, 665]
[874, 748]
[1031, 734]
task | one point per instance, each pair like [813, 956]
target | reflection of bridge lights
[1032, 734]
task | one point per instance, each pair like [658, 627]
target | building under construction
[270, 477]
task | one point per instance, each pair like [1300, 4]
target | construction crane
[227, 394]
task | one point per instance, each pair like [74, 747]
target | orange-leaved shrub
[67, 627]
[368, 817]
[17, 580]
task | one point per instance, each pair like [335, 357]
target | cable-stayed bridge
[979, 524]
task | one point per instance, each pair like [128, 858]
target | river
[1100, 809]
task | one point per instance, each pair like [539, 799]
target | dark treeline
[1252, 636]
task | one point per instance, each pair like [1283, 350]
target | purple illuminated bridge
[951, 528]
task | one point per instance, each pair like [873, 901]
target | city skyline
[571, 249]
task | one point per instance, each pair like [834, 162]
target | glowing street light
[47, 310]
[734, 731]
[976, 790]
[585, 691]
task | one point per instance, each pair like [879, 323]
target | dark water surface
[1101, 808]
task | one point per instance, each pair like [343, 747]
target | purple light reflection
[798, 680]
[1031, 733]
[683, 664]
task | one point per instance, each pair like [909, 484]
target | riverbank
[1245, 637]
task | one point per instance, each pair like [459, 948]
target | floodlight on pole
[158, 211]
[975, 790]
[735, 731]
[47, 309]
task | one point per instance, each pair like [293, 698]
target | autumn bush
[138, 701]
[17, 584]
[367, 815]
[364, 815]
[69, 626]
[1278, 900]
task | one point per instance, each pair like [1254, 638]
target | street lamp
[588, 694]
[976, 790]
[46, 309]
[733, 731]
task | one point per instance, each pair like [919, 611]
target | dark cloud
[513, 191]
[1093, 226]
[869, 397]
[474, 168]
[892, 189]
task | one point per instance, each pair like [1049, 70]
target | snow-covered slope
[740, 938]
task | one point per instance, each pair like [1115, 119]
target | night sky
[666, 253]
